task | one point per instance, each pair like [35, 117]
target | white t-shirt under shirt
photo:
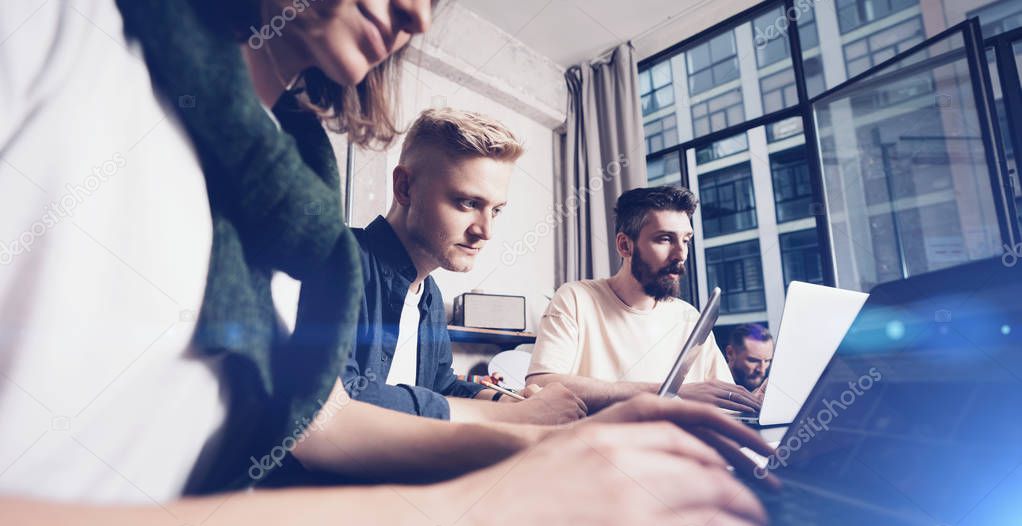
[105, 237]
[404, 366]
[588, 331]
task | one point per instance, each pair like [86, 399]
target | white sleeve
[30, 34]
[557, 342]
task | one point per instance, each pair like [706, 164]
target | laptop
[701, 331]
[814, 321]
[915, 418]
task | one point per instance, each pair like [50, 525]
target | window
[778, 91]
[664, 169]
[770, 33]
[999, 17]
[800, 257]
[655, 88]
[793, 194]
[737, 270]
[718, 113]
[852, 14]
[882, 45]
[891, 175]
[712, 63]
[722, 148]
[727, 201]
[789, 127]
[661, 133]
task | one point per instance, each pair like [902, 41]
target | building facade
[896, 155]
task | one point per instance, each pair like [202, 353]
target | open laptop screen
[918, 417]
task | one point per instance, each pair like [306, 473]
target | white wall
[440, 72]
[530, 197]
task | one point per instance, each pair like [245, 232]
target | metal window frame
[975, 47]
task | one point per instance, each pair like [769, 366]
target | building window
[661, 133]
[852, 14]
[665, 169]
[769, 31]
[722, 148]
[727, 200]
[737, 270]
[869, 51]
[793, 194]
[999, 17]
[712, 63]
[800, 257]
[789, 127]
[655, 88]
[718, 113]
[778, 91]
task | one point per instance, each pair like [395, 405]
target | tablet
[700, 333]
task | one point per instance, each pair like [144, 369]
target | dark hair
[754, 331]
[633, 205]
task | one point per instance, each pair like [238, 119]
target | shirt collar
[394, 257]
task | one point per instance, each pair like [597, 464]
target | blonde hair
[461, 134]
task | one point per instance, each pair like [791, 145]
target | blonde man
[450, 185]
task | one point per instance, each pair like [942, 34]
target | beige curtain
[600, 155]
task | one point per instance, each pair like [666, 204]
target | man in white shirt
[610, 339]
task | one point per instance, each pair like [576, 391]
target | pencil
[500, 389]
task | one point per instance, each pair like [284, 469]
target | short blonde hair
[461, 134]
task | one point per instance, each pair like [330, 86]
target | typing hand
[550, 405]
[716, 429]
[721, 394]
[610, 474]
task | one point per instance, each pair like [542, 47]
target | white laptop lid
[814, 322]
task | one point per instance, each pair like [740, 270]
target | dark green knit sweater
[275, 206]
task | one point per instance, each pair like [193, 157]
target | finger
[737, 393]
[530, 390]
[708, 516]
[743, 465]
[747, 398]
[661, 437]
[735, 405]
[688, 414]
[581, 404]
[721, 492]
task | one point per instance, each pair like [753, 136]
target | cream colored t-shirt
[588, 331]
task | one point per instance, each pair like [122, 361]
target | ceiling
[571, 31]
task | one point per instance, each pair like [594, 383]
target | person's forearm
[350, 505]
[478, 410]
[597, 394]
[371, 443]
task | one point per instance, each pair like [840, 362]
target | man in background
[749, 352]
